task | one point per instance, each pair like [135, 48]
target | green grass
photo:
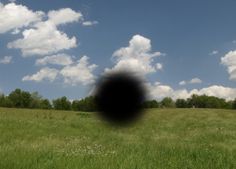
[164, 138]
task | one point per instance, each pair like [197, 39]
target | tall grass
[164, 138]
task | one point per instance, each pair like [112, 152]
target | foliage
[23, 99]
[181, 103]
[5, 102]
[20, 99]
[87, 104]
[234, 104]
[207, 102]
[45, 104]
[167, 102]
[62, 103]
[151, 104]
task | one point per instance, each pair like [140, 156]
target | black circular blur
[119, 98]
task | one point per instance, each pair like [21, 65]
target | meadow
[163, 138]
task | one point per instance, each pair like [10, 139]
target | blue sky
[192, 41]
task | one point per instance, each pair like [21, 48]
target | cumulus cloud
[6, 60]
[137, 57]
[41, 37]
[43, 40]
[192, 81]
[89, 23]
[158, 91]
[14, 16]
[229, 60]
[58, 59]
[79, 73]
[44, 74]
[44, 37]
[63, 16]
[73, 73]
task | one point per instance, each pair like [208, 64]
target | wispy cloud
[89, 23]
[214, 52]
[6, 60]
[192, 81]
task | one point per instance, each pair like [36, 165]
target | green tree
[86, 104]
[2, 100]
[62, 104]
[234, 104]
[20, 99]
[16, 98]
[36, 100]
[26, 99]
[205, 101]
[45, 104]
[167, 102]
[181, 103]
[151, 104]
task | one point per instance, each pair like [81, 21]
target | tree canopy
[23, 99]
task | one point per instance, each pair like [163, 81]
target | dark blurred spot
[119, 98]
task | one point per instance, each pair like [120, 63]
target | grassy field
[164, 138]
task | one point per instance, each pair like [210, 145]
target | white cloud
[219, 91]
[44, 74]
[73, 73]
[157, 83]
[159, 66]
[89, 23]
[214, 52]
[15, 31]
[234, 41]
[63, 16]
[195, 81]
[182, 83]
[13, 16]
[157, 91]
[192, 81]
[58, 59]
[79, 73]
[43, 37]
[137, 57]
[43, 40]
[229, 60]
[6, 60]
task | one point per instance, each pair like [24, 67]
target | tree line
[23, 99]
[195, 101]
